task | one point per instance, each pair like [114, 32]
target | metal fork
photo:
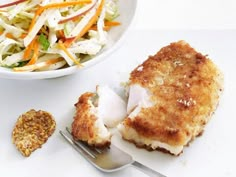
[109, 159]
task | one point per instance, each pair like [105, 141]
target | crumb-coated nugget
[32, 130]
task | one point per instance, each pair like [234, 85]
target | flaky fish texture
[87, 126]
[172, 96]
[95, 112]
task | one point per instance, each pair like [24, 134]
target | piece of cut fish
[111, 107]
[138, 96]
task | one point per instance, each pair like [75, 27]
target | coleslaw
[39, 35]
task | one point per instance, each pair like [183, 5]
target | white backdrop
[186, 14]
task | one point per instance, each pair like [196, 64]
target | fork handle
[148, 171]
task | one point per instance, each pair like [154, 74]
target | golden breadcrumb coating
[184, 86]
[84, 125]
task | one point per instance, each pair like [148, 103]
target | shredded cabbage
[33, 25]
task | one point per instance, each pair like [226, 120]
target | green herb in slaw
[43, 41]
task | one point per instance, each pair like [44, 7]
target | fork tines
[80, 145]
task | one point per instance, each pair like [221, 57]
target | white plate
[212, 154]
[116, 36]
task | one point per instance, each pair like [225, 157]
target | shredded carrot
[9, 35]
[61, 34]
[53, 61]
[105, 28]
[1, 32]
[62, 4]
[37, 65]
[22, 36]
[77, 19]
[77, 16]
[12, 3]
[88, 26]
[33, 21]
[61, 45]
[69, 41]
[28, 49]
[55, 5]
[36, 53]
[107, 25]
[111, 23]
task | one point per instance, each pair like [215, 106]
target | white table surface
[212, 154]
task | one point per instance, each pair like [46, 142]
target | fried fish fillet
[94, 113]
[172, 96]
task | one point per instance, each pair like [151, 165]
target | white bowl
[116, 36]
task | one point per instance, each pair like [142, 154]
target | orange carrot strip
[107, 25]
[111, 23]
[88, 26]
[62, 4]
[55, 5]
[61, 45]
[37, 65]
[22, 36]
[28, 50]
[35, 55]
[105, 28]
[52, 61]
[33, 21]
[9, 35]
[77, 16]
[61, 34]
